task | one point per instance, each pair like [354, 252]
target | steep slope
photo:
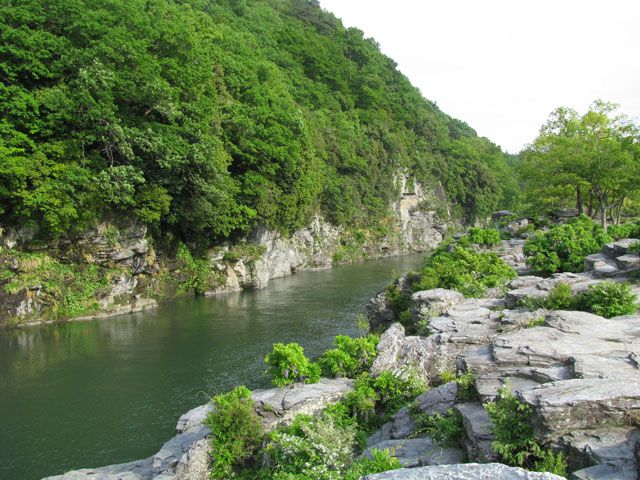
[205, 118]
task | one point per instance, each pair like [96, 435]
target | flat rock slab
[417, 452]
[605, 472]
[465, 471]
[614, 447]
[578, 404]
[136, 470]
[278, 406]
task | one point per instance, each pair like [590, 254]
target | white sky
[503, 66]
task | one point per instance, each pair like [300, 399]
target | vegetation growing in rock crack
[514, 439]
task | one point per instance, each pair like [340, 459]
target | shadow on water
[87, 394]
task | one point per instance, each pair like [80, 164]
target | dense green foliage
[453, 267]
[564, 247]
[236, 432]
[288, 364]
[446, 430]
[607, 299]
[351, 357]
[203, 118]
[514, 439]
[591, 162]
[483, 236]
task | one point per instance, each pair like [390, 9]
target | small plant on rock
[446, 430]
[288, 364]
[351, 357]
[514, 439]
[608, 299]
[236, 432]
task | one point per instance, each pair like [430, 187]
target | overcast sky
[502, 66]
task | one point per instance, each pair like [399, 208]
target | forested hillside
[204, 117]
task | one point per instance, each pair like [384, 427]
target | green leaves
[288, 364]
[564, 247]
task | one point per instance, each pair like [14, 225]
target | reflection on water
[87, 394]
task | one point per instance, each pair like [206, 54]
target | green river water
[87, 394]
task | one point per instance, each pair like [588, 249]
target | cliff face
[127, 274]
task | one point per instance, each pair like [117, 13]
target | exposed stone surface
[431, 303]
[429, 356]
[278, 406]
[479, 438]
[415, 452]
[464, 471]
[186, 455]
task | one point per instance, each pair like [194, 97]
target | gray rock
[477, 427]
[194, 417]
[416, 452]
[578, 404]
[136, 470]
[381, 435]
[629, 261]
[465, 471]
[437, 400]
[619, 248]
[403, 424]
[431, 303]
[278, 406]
[428, 356]
[379, 311]
[605, 472]
[173, 452]
[613, 447]
[500, 214]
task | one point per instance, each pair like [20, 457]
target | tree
[597, 153]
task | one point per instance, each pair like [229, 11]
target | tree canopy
[205, 117]
[594, 157]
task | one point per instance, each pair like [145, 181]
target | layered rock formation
[146, 274]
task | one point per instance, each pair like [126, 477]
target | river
[87, 394]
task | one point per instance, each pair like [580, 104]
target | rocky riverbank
[579, 373]
[126, 272]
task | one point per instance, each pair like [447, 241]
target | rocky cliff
[128, 274]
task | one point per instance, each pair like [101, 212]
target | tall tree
[597, 153]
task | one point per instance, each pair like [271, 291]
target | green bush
[559, 297]
[608, 299]
[317, 449]
[482, 236]
[288, 364]
[236, 432]
[466, 383]
[351, 357]
[395, 390]
[446, 430]
[564, 247]
[465, 270]
[514, 439]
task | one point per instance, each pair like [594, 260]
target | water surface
[87, 394]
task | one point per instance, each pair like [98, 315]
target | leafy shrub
[236, 432]
[559, 297]
[514, 440]
[535, 322]
[288, 364]
[465, 270]
[564, 247]
[382, 461]
[397, 389]
[466, 383]
[481, 236]
[608, 299]
[317, 449]
[351, 357]
[634, 248]
[446, 430]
